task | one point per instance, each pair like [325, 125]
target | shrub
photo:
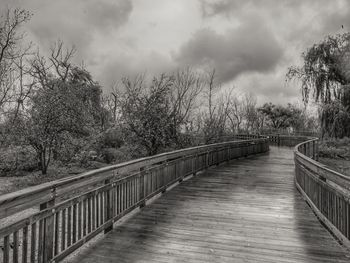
[112, 139]
[335, 148]
[15, 160]
[111, 155]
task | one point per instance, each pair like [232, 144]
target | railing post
[47, 228]
[166, 173]
[207, 159]
[108, 207]
[195, 165]
[142, 187]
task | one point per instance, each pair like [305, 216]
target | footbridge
[243, 200]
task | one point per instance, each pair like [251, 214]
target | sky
[250, 43]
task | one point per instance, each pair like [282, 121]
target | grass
[335, 153]
[13, 183]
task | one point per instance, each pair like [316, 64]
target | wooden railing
[97, 199]
[285, 140]
[326, 191]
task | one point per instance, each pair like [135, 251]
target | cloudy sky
[251, 43]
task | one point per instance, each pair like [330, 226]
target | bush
[123, 154]
[112, 139]
[111, 155]
[335, 148]
[16, 160]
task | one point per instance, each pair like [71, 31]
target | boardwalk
[245, 211]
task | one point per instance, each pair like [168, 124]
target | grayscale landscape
[174, 131]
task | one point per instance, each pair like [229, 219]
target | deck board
[245, 211]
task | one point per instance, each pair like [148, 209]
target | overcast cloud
[251, 43]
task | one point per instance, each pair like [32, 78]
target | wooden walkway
[245, 211]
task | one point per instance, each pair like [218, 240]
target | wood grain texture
[326, 191]
[18, 201]
[247, 210]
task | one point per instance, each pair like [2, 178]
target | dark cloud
[77, 22]
[107, 14]
[250, 42]
[130, 65]
[247, 48]
[211, 8]
[269, 87]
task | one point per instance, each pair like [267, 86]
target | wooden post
[178, 171]
[166, 174]
[108, 205]
[48, 230]
[142, 186]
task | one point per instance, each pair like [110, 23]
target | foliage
[155, 115]
[335, 148]
[325, 73]
[146, 112]
[335, 119]
[279, 116]
[15, 85]
[113, 138]
[213, 117]
[17, 160]
[65, 106]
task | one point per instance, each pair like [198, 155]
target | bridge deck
[244, 211]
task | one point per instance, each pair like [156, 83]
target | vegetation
[290, 117]
[56, 120]
[335, 153]
[325, 75]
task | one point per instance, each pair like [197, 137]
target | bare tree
[57, 66]
[250, 112]
[15, 86]
[235, 111]
[186, 87]
[11, 52]
[214, 119]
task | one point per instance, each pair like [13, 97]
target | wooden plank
[74, 224]
[57, 232]
[36, 195]
[100, 211]
[63, 230]
[6, 249]
[80, 212]
[245, 211]
[25, 244]
[69, 226]
[33, 239]
[15, 247]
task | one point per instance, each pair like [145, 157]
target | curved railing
[71, 211]
[326, 191]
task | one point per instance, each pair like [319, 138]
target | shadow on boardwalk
[245, 211]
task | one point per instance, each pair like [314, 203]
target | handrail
[104, 196]
[18, 201]
[326, 191]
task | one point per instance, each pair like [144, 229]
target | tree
[145, 111]
[250, 112]
[235, 111]
[186, 87]
[280, 117]
[65, 105]
[325, 73]
[15, 86]
[56, 113]
[214, 117]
